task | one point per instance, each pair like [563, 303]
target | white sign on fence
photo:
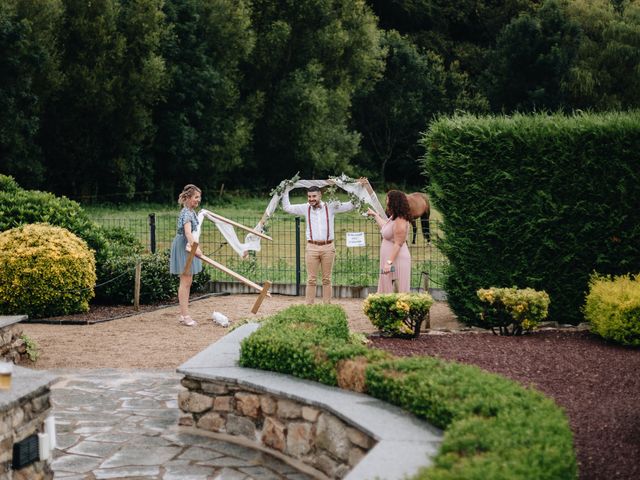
[355, 239]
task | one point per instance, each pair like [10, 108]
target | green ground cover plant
[613, 308]
[494, 428]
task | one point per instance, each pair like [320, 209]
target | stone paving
[123, 424]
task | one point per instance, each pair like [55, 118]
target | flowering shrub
[45, 271]
[513, 310]
[398, 314]
[613, 308]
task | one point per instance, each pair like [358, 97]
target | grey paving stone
[187, 472]
[65, 440]
[228, 462]
[94, 449]
[140, 455]
[260, 473]
[91, 430]
[75, 463]
[199, 454]
[113, 437]
[127, 472]
[229, 474]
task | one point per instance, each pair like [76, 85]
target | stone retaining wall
[12, 346]
[23, 410]
[308, 434]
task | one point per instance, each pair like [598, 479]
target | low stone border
[23, 410]
[12, 346]
[341, 433]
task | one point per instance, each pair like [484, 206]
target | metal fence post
[297, 256]
[152, 232]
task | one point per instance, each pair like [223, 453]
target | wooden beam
[192, 253]
[212, 215]
[263, 293]
[235, 275]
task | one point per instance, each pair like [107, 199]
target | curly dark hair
[398, 205]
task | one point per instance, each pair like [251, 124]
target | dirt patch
[155, 339]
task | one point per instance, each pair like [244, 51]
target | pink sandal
[188, 321]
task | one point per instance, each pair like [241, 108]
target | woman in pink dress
[395, 259]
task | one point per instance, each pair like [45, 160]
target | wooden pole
[136, 287]
[263, 293]
[212, 215]
[235, 275]
[192, 253]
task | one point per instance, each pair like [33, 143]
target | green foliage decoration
[613, 308]
[45, 271]
[530, 200]
[512, 310]
[156, 283]
[398, 314]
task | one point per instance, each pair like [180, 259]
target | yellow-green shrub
[45, 271]
[613, 308]
[518, 308]
[397, 313]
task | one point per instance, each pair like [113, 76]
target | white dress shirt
[317, 221]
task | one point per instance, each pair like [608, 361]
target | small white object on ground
[220, 319]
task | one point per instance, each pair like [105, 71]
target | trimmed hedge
[535, 201]
[494, 428]
[45, 271]
[305, 341]
[613, 308]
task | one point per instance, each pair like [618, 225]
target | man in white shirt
[321, 249]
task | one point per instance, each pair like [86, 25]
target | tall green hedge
[535, 201]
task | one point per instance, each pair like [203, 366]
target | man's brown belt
[320, 242]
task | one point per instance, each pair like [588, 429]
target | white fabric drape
[252, 242]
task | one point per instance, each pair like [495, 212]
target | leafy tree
[99, 127]
[29, 74]
[203, 127]
[532, 57]
[391, 116]
[310, 58]
[605, 74]
[463, 30]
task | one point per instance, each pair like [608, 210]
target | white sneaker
[220, 319]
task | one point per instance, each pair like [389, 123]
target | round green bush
[45, 271]
[613, 308]
[156, 283]
[22, 207]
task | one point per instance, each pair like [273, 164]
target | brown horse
[419, 204]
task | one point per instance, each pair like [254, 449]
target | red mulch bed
[596, 382]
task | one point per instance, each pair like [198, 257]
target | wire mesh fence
[282, 260]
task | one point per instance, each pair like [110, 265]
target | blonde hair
[187, 192]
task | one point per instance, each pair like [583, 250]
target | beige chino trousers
[319, 256]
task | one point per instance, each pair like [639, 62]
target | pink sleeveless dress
[402, 263]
